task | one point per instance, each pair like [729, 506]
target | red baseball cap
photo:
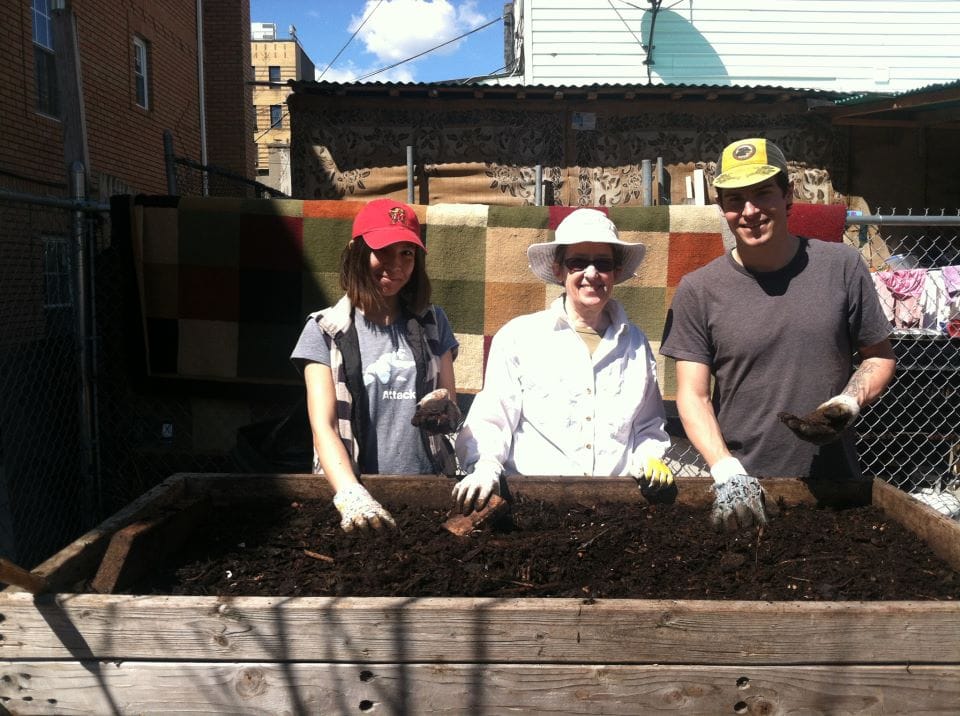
[384, 221]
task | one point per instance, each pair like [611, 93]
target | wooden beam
[474, 688]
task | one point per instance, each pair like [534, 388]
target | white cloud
[399, 29]
[349, 72]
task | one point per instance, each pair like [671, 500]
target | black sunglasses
[603, 264]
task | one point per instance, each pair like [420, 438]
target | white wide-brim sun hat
[579, 226]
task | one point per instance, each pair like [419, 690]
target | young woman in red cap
[372, 359]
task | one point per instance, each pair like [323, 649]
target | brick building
[275, 61]
[96, 81]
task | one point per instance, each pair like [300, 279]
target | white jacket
[550, 408]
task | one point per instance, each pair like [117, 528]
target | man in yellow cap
[775, 322]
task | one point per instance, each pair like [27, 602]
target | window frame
[57, 272]
[276, 123]
[141, 72]
[270, 74]
[44, 60]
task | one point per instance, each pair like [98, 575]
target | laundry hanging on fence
[921, 299]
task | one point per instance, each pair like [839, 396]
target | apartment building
[275, 61]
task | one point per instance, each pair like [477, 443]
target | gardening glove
[358, 509]
[738, 500]
[473, 491]
[652, 473]
[826, 423]
[437, 413]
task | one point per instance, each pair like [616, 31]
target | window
[276, 115]
[56, 272]
[44, 60]
[141, 71]
[274, 74]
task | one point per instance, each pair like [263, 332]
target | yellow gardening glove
[653, 473]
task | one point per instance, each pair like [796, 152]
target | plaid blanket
[226, 284]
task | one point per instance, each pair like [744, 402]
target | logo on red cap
[397, 215]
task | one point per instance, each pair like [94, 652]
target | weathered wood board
[65, 652]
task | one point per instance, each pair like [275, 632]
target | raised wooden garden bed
[69, 652]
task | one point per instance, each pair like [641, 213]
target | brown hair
[357, 282]
[781, 179]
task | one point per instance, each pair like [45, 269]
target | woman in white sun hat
[570, 390]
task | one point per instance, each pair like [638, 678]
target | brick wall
[226, 25]
[124, 140]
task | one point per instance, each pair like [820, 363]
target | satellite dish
[292, 30]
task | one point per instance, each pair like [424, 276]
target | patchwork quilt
[225, 285]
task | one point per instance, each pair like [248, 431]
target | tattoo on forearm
[858, 384]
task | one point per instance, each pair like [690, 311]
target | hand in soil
[823, 425]
[436, 413]
[739, 502]
[473, 491]
[358, 510]
[653, 474]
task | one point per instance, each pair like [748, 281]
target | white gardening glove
[841, 410]
[652, 473]
[738, 500]
[358, 509]
[437, 414]
[472, 492]
[826, 423]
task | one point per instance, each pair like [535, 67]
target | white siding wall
[842, 45]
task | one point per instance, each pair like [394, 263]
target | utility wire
[425, 52]
[383, 69]
[360, 27]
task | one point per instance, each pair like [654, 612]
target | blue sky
[388, 32]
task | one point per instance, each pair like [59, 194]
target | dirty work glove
[738, 500]
[358, 509]
[653, 473]
[473, 491]
[437, 413]
[826, 423]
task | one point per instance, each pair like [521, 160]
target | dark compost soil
[654, 551]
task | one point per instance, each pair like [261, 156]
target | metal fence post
[83, 293]
[646, 173]
[409, 174]
[538, 189]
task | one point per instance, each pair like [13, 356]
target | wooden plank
[433, 491]
[939, 532]
[135, 549]
[78, 560]
[11, 573]
[464, 688]
[436, 630]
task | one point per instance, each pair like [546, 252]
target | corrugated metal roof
[935, 105]
[480, 90]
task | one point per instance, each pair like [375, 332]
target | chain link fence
[187, 177]
[45, 493]
[83, 432]
[911, 435]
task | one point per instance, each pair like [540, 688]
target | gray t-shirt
[393, 445]
[778, 341]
